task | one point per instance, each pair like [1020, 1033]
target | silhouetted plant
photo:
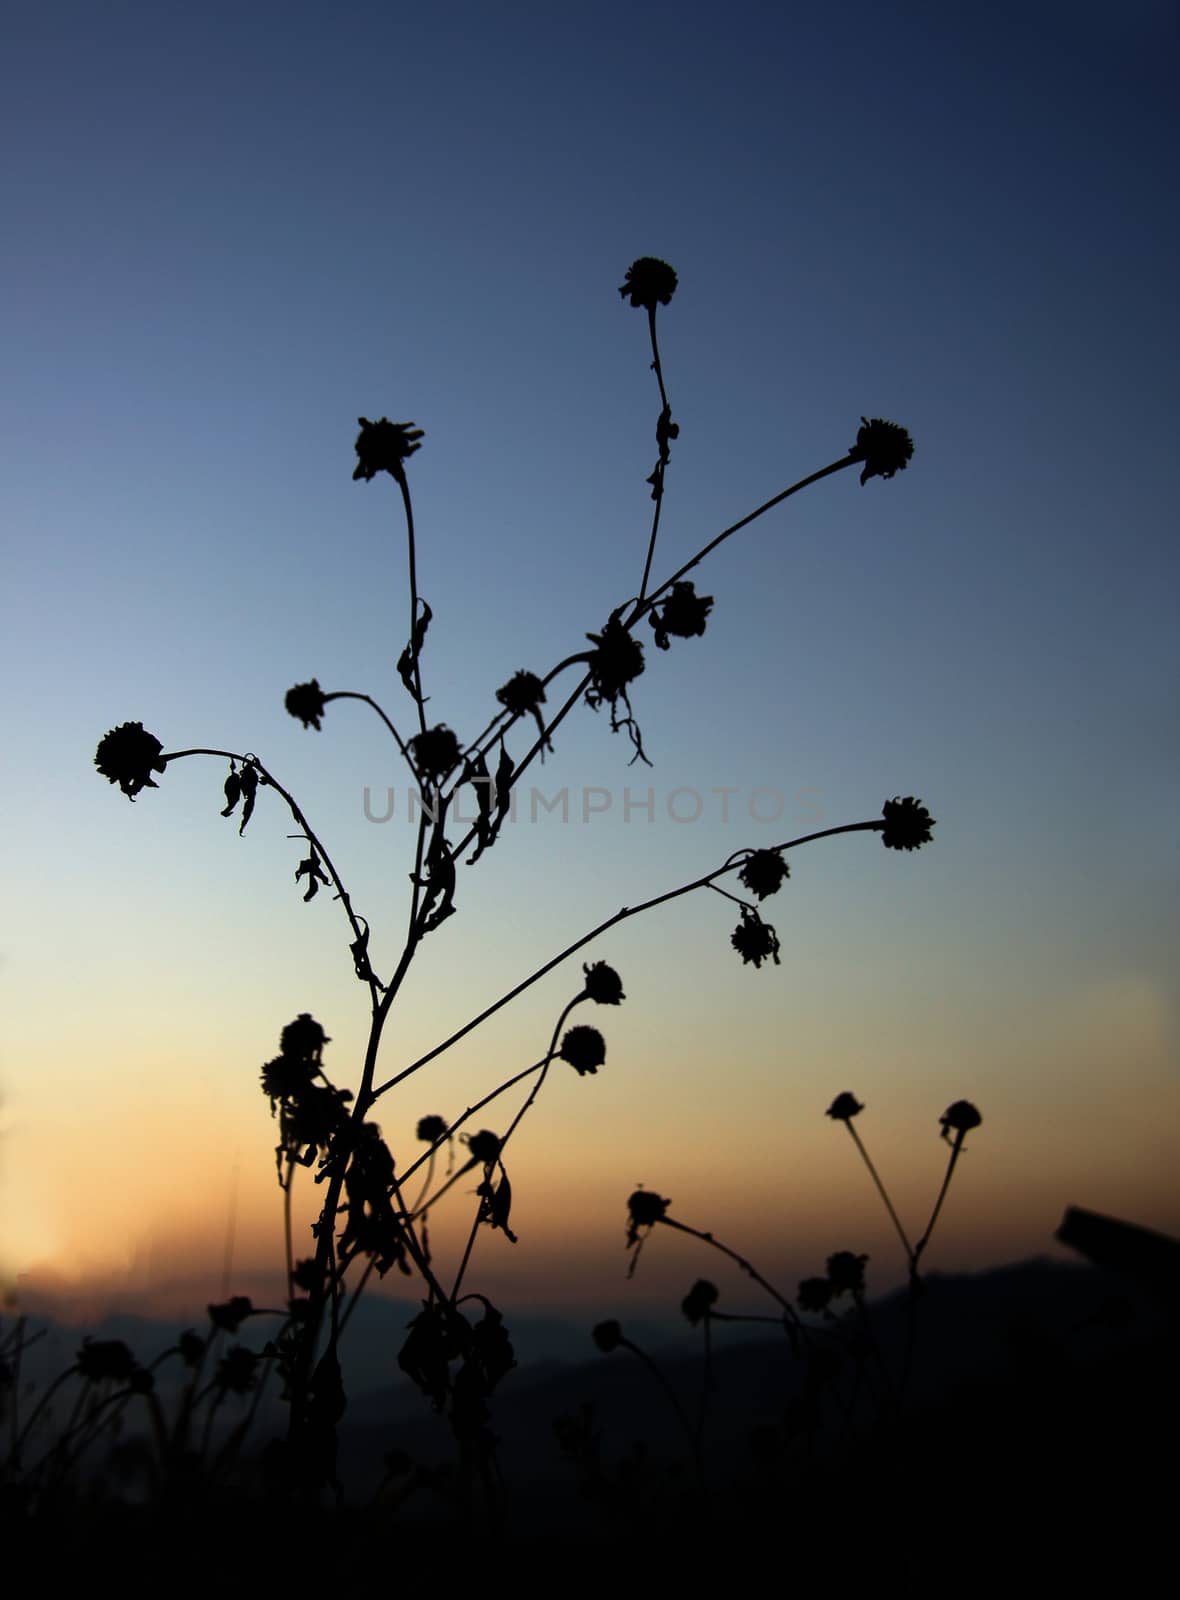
[367, 1217]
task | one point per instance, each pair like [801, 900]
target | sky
[235, 230]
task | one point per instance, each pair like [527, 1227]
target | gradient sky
[232, 230]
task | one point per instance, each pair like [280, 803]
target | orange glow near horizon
[155, 1185]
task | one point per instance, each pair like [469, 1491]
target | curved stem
[404, 485]
[458, 1123]
[946, 1183]
[305, 829]
[603, 927]
[901, 1233]
[658, 488]
[61, 1378]
[661, 1378]
[734, 527]
[512, 1127]
[747, 1267]
[352, 694]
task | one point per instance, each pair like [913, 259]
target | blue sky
[235, 229]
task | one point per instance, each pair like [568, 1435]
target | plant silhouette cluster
[375, 1204]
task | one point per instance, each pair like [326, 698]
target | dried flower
[128, 756]
[907, 824]
[306, 1274]
[435, 753]
[306, 702]
[763, 872]
[755, 940]
[101, 1359]
[644, 1209]
[286, 1078]
[484, 1146]
[303, 1038]
[231, 1313]
[649, 282]
[603, 984]
[523, 692]
[814, 1294]
[683, 614]
[608, 1336]
[384, 447]
[846, 1272]
[844, 1107]
[584, 1049]
[884, 448]
[616, 661]
[432, 1129]
[191, 1347]
[236, 1369]
[959, 1118]
[699, 1300]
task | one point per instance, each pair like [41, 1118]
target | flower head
[616, 661]
[128, 756]
[684, 614]
[584, 1049]
[814, 1294]
[306, 702]
[484, 1145]
[884, 448]
[101, 1359]
[846, 1272]
[435, 753]
[844, 1107]
[523, 692]
[608, 1336]
[231, 1314]
[644, 1209]
[603, 984]
[286, 1078]
[304, 1038]
[755, 940]
[191, 1347]
[960, 1119]
[649, 282]
[699, 1300]
[907, 824]
[236, 1370]
[763, 872]
[432, 1129]
[385, 447]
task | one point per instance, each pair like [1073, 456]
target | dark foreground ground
[1037, 1451]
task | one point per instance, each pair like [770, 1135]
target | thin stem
[458, 1123]
[287, 1236]
[470, 1239]
[901, 1233]
[512, 1127]
[659, 1375]
[404, 485]
[915, 1282]
[746, 1266]
[357, 1292]
[305, 828]
[19, 1441]
[658, 487]
[734, 527]
[960, 1135]
[603, 927]
[352, 694]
